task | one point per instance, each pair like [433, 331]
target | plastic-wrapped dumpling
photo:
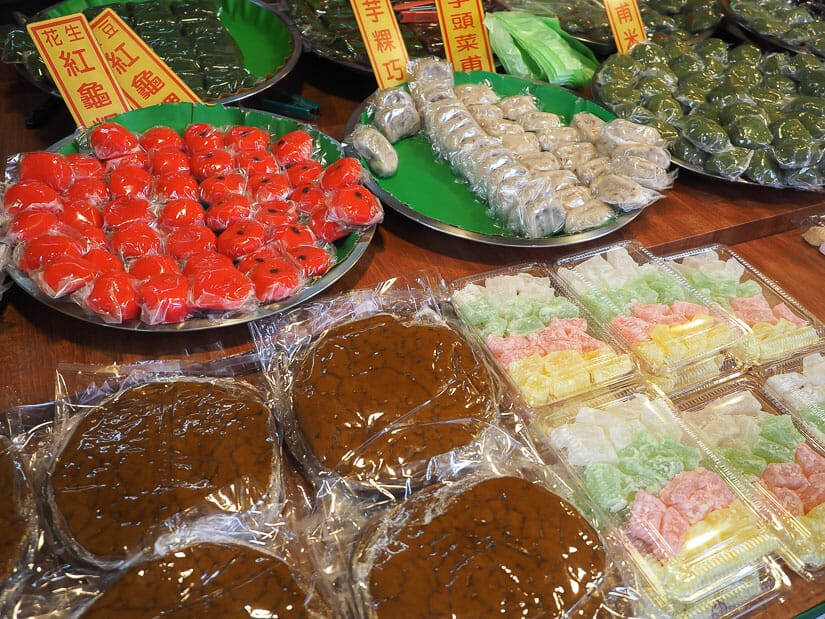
[373, 146]
[494, 179]
[474, 94]
[521, 143]
[572, 154]
[686, 152]
[431, 70]
[470, 131]
[430, 92]
[705, 134]
[516, 105]
[730, 164]
[622, 193]
[644, 172]
[466, 157]
[588, 170]
[538, 121]
[558, 179]
[573, 197]
[795, 153]
[763, 169]
[655, 154]
[397, 121]
[588, 125]
[619, 132]
[436, 114]
[549, 139]
[593, 214]
[543, 217]
[507, 196]
[388, 97]
[486, 112]
[483, 162]
[542, 161]
[501, 127]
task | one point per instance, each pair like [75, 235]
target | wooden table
[758, 222]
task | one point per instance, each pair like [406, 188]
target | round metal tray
[429, 181]
[276, 73]
[350, 249]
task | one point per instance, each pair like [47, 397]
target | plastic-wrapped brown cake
[155, 450]
[205, 580]
[504, 547]
[13, 525]
[376, 397]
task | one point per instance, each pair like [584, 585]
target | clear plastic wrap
[693, 540]
[134, 446]
[777, 325]
[813, 230]
[776, 456]
[679, 337]
[181, 189]
[495, 534]
[542, 340]
[375, 385]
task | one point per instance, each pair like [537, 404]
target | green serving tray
[178, 116]
[426, 190]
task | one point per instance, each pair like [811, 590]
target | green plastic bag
[535, 47]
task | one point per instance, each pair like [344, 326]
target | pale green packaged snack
[537, 48]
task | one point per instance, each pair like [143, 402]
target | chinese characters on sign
[626, 23]
[79, 69]
[382, 36]
[144, 77]
[465, 37]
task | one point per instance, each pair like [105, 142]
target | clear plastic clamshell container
[773, 454]
[776, 324]
[679, 338]
[693, 540]
[542, 341]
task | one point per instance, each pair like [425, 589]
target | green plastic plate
[426, 190]
[178, 116]
[271, 46]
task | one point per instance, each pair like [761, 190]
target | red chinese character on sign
[373, 10]
[120, 59]
[146, 83]
[171, 98]
[466, 42]
[74, 62]
[51, 37]
[456, 4]
[630, 37]
[394, 70]
[462, 21]
[73, 32]
[470, 63]
[93, 95]
[624, 13]
[108, 27]
[383, 40]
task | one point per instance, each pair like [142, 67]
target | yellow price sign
[626, 23]
[382, 37]
[465, 38]
[78, 68]
[144, 77]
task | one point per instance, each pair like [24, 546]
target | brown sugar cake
[205, 580]
[504, 547]
[155, 450]
[13, 525]
[376, 396]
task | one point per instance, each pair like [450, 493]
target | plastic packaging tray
[749, 433]
[777, 324]
[679, 337]
[691, 536]
[541, 340]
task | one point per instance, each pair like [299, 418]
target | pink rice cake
[756, 309]
[799, 485]
[658, 525]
